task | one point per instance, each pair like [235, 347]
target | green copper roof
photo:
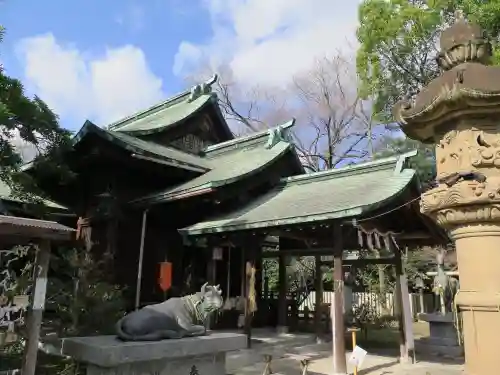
[172, 111]
[333, 194]
[163, 154]
[227, 168]
[162, 116]
[253, 139]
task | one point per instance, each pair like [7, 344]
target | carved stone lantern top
[467, 87]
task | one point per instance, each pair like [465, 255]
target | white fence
[353, 300]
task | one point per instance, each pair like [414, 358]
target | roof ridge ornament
[276, 135]
[463, 42]
[204, 88]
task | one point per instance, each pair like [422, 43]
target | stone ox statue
[173, 319]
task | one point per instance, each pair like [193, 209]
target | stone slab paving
[289, 350]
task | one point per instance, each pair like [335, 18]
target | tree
[246, 110]
[398, 40]
[334, 124]
[337, 124]
[28, 120]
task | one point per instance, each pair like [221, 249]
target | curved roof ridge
[334, 199]
[159, 106]
[248, 138]
[396, 162]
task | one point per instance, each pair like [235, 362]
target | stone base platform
[106, 355]
[443, 340]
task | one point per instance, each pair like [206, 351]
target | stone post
[459, 111]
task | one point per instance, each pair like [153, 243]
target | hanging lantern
[165, 278]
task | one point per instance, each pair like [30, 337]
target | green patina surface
[161, 117]
[172, 111]
[265, 137]
[227, 168]
[228, 162]
[334, 194]
[144, 148]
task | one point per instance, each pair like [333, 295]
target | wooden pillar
[282, 301]
[212, 280]
[398, 267]
[318, 309]
[337, 310]
[259, 279]
[35, 315]
[250, 292]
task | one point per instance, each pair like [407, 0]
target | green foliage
[78, 295]
[418, 262]
[79, 302]
[398, 40]
[27, 120]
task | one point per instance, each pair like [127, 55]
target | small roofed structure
[135, 182]
[325, 213]
[12, 227]
[385, 191]
[21, 230]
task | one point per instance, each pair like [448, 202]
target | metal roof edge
[368, 167]
[250, 137]
[342, 214]
[135, 149]
[276, 223]
[397, 162]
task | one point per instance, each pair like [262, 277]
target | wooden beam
[412, 236]
[282, 326]
[365, 262]
[301, 252]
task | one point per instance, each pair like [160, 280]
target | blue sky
[103, 60]
[93, 25]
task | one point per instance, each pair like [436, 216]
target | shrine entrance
[326, 214]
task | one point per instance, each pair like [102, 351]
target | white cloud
[267, 42]
[80, 85]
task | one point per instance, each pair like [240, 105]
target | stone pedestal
[478, 247]
[443, 340]
[458, 111]
[106, 355]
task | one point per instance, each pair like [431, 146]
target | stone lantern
[459, 111]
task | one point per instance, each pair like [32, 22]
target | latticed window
[190, 143]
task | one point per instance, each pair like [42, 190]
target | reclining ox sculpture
[173, 319]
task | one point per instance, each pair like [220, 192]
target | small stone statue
[173, 319]
[444, 286]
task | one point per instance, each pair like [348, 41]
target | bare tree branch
[248, 110]
[335, 125]
[337, 121]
